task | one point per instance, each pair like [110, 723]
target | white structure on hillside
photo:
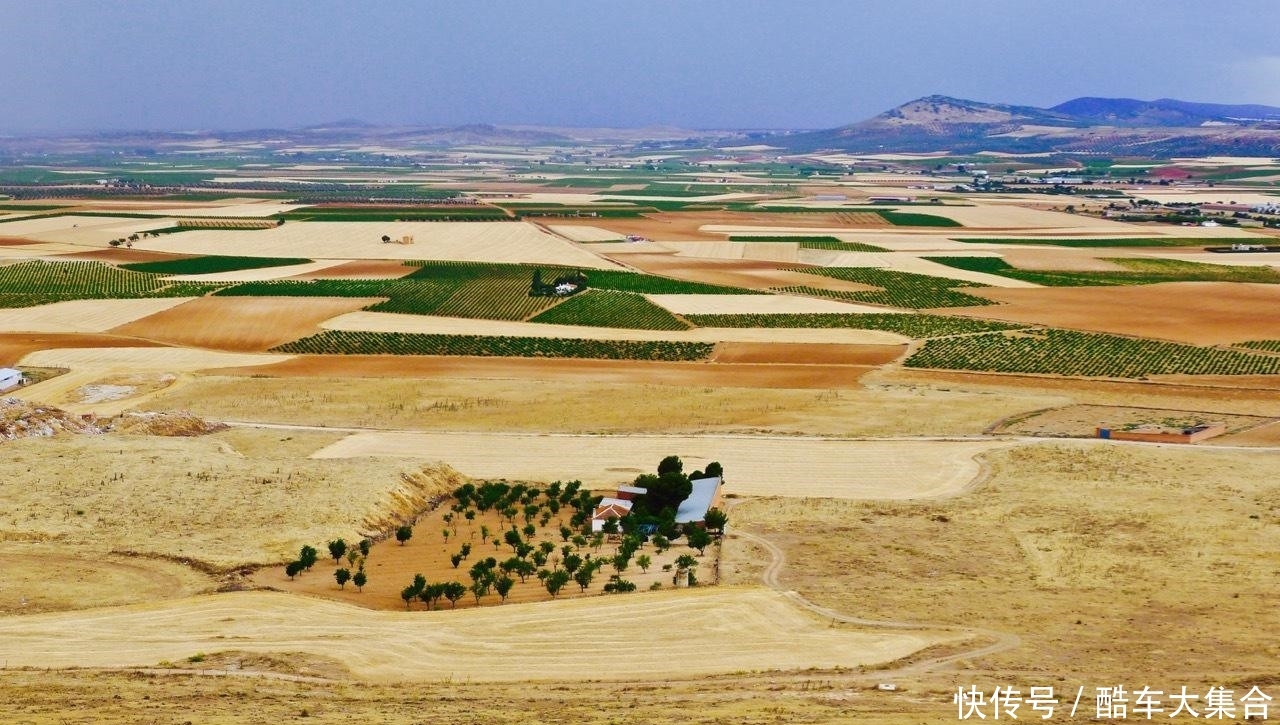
[10, 378]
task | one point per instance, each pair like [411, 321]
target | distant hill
[1125, 126]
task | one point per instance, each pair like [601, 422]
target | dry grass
[526, 403]
[754, 465]
[1110, 562]
[1082, 421]
[201, 498]
[706, 631]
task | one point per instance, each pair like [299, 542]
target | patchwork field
[461, 241]
[756, 304]
[778, 466]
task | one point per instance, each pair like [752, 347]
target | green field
[912, 219]
[38, 282]
[1139, 271]
[898, 289]
[1267, 345]
[1066, 352]
[918, 326]
[334, 342]
[830, 243]
[211, 264]
[610, 308]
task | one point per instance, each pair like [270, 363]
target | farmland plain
[889, 521]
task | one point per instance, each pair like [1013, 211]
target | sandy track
[241, 324]
[754, 465]
[756, 304]
[1199, 313]
[83, 315]
[702, 632]
[462, 241]
[427, 324]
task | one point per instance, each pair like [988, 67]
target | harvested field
[240, 324]
[781, 252]
[458, 241]
[135, 493]
[116, 255]
[468, 396]
[1266, 435]
[1197, 313]
[260, 273]
[807, 353]
[736, 630]
[820, 377]
[1093, 541]
[430, 325]
[905, 263]
[585, 233]
[16, 345]
[87, 576]
[687, 225]
[1060, 259]
[82, 230]
[362, 269]
[1081, 421]
[16, 242]
[747, 274]
[755, 304]
[83, 315]
[140, 359]
[754, 465]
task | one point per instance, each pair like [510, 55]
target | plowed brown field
[684, 225]
[361, 269]
[807, 353]
[746, 273]
[243, 324]
[1198, 313]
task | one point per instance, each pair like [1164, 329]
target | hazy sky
[183, 64]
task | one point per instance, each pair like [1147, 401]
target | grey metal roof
[694, 508]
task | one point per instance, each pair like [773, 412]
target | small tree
[307, 557]
[293, 569]
[698, 538]
[555, 581]
[385, 239]
[583, 576]
[565, 533]
[352, 555]
[365, 545]
[408, 594]
[502, 585]
[453, 591]
[716, 519]
[644, 562]
[342, 576]
[715, 470]
[337, 548]
[404, 533]
[660, 543]
[456, 559]
[359, 579]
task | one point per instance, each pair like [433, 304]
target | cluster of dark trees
[338, 548]
[541, 288]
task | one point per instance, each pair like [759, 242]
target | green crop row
[336, 342]
[912, 219]
[609, 308]
[39, 282]
[1067, 352]
[1268, 345]
[211, 264]
[918, 326]
[897, 289]
[1137, 272]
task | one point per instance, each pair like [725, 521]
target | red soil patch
[361, 269]
[17, 241]
[241, 324]
[601, 371]
[745, 273]
[125, 256]
[1198, 313]
[807, 353]
[14, 345]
